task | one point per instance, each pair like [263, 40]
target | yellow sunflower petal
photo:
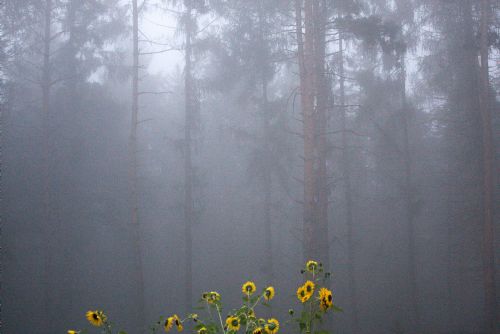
[95, 318]
[269, 293]
[248, 288]
[257, 330]
[169, 323]
[309, 287]
[233, 323]
[272, 326]
[312, 266]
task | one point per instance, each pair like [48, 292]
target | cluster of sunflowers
[244, 317]
[314, 308]
[235, 320]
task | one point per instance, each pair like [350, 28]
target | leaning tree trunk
[134, 206]
[488, 248]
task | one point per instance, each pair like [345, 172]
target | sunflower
[309, 287]
[169, 323]
[233, 323]
[325, 299]
[248, 288]
[269, 293]
[202, 330]
[272, 326]
[178, 323]
[302, 295]
[311, 266]
[213, 297]
[257, 330]
[96, 318]
[210, 297]
[71, 331]
[251, 313]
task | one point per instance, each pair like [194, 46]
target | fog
[154, 150]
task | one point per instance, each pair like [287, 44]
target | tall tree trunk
[74, 158]
[267, 178]
[47, 195]
[346, 171]
[488, 247]
[134, 206]
[409, 200]
[311, 49]
[321, 91]
[188, 163]
[306, 62]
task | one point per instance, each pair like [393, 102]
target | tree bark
[311, 49]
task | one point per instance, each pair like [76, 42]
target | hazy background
[68, 244]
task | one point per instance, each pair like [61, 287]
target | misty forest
[250, 166]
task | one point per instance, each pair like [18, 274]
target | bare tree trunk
[135, 227]
[73, 109]
[488, 248]
[267, 178]
[47, 197]
[306, 62]
[311, 51]
[409, 200]
[188, 163]
[321, 89]
[346, 171]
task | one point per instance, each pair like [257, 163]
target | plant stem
[220, 319]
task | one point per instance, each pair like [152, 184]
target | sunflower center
[272, 326]
[95, 317]
[329, 298]
[308, 288]
[234, 322]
